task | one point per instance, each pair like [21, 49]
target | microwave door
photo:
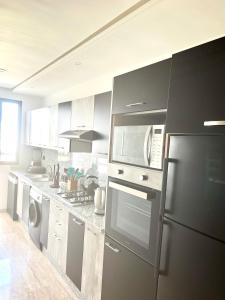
[147, 146]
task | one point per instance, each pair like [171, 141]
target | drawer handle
[58, 207]
[214, 123]
[116, 250]
[135, 104]
[58, 239]
[92, 231]
[78, 222]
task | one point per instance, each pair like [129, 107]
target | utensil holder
[71, 185]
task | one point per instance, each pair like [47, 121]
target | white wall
[28, 103]
[89, 88]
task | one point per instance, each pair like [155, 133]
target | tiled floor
[25, 273]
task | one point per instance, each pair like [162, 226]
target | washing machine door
[34, 214]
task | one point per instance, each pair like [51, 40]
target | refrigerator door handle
[166, 200]
[164, 255]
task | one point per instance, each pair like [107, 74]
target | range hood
[81, 135]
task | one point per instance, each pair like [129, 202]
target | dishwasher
[12, 196]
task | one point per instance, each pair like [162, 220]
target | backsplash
[86, 161]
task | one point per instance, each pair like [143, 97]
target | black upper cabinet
[102, 122]
[64, 123]
[64, 116]
[143, 89]
[197, 92]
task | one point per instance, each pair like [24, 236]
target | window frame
[19, 102]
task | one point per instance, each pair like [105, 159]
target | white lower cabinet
[57, 234]
[92, 264]
[60, 241]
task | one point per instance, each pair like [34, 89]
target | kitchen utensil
[90, 185]
[55, 177]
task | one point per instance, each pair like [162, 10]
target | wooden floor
[25, 273]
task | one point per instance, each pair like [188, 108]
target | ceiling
[34, 34]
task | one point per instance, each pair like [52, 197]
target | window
[10, 119]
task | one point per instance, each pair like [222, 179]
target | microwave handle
[147, 145]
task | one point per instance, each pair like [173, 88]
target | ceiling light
[77, 63]
[2, 70]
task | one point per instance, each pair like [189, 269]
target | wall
[28, 103]
[93, 164]
[89, 88]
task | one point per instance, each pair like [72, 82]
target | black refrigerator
[192, 259]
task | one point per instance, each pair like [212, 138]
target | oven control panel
[145, 177]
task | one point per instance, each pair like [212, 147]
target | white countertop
[84, 212]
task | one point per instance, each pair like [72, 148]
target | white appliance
[138, 145]
[99, 200]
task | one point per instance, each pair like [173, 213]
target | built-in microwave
[138, 141]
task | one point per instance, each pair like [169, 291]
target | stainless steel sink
[38, 177]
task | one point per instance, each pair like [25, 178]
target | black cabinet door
[102, 122]
[197, 90]
[142, 89]
[12, 200]
[25, 204]
[64, 122]
[45, 206]
[192, 265]
[126, 276]
[75, 247]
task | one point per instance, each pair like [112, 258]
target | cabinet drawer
[58, 211]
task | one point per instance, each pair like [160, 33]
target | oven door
[132, 214]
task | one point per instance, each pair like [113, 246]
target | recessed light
[2, 70]
[77, 63]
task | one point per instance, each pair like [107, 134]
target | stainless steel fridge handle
[147, 145]
[77, 222]
[128, 190]
[116, 250]
[214, 123]
[165, 204]
[163, 261]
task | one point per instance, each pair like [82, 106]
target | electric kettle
[99, 200]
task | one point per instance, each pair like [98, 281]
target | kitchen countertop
[84, 212]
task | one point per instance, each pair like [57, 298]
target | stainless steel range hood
[81, 135]
[80, 140]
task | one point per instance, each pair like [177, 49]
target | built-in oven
[132, 214]
[138, 140]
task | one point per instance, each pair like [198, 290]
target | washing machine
[35, 218]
